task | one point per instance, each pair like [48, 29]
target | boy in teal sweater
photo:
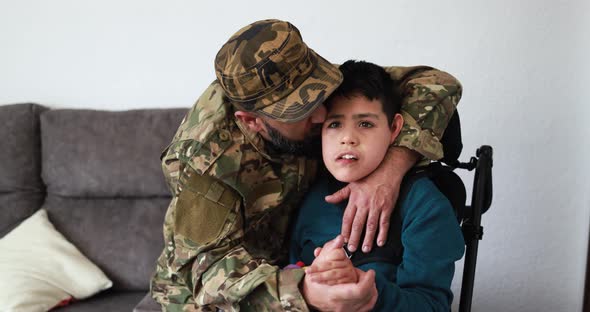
[363, 120]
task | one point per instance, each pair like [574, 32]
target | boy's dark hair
[371, 81]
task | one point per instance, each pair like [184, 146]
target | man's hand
[360, 296]
[331, 265]
[372, 199]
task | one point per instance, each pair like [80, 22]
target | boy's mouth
[347, 156]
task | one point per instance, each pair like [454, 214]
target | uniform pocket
[205, 207]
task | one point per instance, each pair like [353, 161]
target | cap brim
[312, 92]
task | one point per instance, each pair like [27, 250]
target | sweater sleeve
[432, 242]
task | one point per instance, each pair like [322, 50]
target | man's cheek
[315, 131]
[315, 149]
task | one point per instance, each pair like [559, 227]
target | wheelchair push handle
[472, 229]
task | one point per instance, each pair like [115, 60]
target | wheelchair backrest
[448, 183]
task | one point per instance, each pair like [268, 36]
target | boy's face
[355, 137]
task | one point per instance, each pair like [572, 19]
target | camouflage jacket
[225, 228]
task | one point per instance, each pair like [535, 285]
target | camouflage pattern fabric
[226, 226]
[266, 67]
[430, 98]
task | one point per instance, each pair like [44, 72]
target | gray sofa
[98, 175]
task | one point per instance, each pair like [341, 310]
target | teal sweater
[430, 235]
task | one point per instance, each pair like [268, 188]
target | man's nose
[319, 114]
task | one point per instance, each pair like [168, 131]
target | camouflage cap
[267, 68]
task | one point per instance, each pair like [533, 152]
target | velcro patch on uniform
[202, 209]
[215, 191]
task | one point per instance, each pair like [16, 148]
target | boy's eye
[334, 124]
[365, 124]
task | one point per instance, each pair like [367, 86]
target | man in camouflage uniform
[237, 172]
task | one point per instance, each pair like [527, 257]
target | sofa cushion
[16, 207]
[105, 188]
[106, 154]
[110, 301]
[121, 236]
[147, 304]
[20, 161]
[21, 188]
[40, 268]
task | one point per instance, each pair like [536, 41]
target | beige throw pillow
[39, 268]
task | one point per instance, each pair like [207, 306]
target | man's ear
[251, 120]
[396, 126]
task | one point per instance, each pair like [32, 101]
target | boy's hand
[331, 265]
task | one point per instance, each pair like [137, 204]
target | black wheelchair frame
[469, 216]
[443, 175]
[481, 201]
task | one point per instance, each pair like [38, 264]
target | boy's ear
[252, 121]
[396, 126]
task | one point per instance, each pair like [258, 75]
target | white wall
[523, 65]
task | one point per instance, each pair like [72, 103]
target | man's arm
[205, 264]
[429, 99]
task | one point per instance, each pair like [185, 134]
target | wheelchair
[443, 174]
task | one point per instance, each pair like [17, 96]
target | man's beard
[310, 146]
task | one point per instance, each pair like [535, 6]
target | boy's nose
[348, 140]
